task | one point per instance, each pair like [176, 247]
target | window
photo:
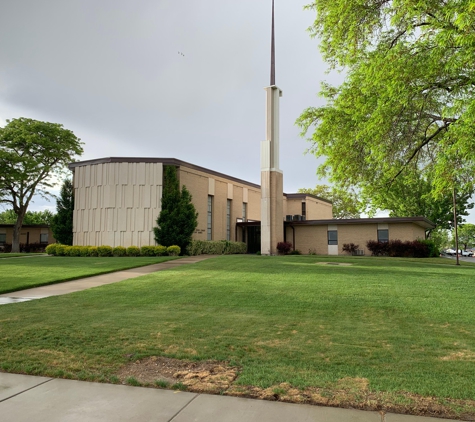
[3, 238]
[383, 235]
[332, 237]
[228, 220]
[304, 209]
[44, 238]
[210, 218]
[244, 211]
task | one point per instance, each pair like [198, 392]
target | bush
[51, 249]
[174, 250]
[133, 251]
[119, 251]
[104, 250]
[147, 251]
[92, 250]
[32, 247]
[295, 252]
[215, 247]
[432, 246]
[284, 247]
[61, 250]
[74, 250]
[160, 250]
[84, 250]
[407, 249]
[350, 248]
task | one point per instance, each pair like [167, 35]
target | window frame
[382, 239]
[332, 233]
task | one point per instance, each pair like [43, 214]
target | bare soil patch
[208, 376]
[355, 393]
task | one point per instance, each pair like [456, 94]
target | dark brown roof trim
[420, 221]
[164, 161]
[27, 226]
[304, 195]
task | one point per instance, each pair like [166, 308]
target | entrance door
[253, 239]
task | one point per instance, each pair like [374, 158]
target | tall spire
[272, 54]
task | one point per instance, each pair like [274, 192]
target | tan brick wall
[315, 237]
[318, 210]
[292, 206]
[32, 234]
[197, 183]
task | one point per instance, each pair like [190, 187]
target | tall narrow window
[228, 220]
[44, 238]
[210, 218]
[304, 210]
[332, 237]
[3, 238]
[383, 235]
[244, 211]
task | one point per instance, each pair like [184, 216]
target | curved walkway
[98, 280]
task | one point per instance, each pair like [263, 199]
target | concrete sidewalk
[25, 398]
[99, 280]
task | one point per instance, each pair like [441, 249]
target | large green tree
[345, 204]
[31, 217]
[62, 224]
[466, 235]
[32, 153]
[178, 217]
[407, 106]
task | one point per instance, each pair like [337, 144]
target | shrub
[407, 249]
[6, 248]
[295, 252]
[74, 250]
[133, 251]
[104, 250]
[35, 247]
[284, 247]
[84, 251]
[51, 249]
[174, 250]
[431, 246]
[147, 251]
[160, 250]
[61, 250]
[215, 247]
[350, 248]
[312, 251]
[92, 250]
[119, 251]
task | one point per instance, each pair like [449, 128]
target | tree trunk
[17, 231]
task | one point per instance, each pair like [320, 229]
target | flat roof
[304, 195]
[420, 221]
[165, 161]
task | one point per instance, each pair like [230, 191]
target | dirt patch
[464, 355]
[355, 393]
[208, 376]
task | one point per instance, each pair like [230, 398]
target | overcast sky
[112, 72]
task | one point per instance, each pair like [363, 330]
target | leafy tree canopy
[62, 224]
[31, 217]
[345, 203]
[407, 105]
[466, 235]
[178, 218]
[32, 153]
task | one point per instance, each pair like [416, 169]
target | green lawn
[18, 255]
[17, 274]
[404, 326]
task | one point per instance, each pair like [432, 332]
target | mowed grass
[18, 273]
[19, 255]
[405, 325]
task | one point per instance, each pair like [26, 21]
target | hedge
[216, 247]
[408, 249]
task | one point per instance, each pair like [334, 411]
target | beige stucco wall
[116, 203]
[314, 238]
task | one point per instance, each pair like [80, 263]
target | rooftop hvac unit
[297, 217]
[288, 218]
